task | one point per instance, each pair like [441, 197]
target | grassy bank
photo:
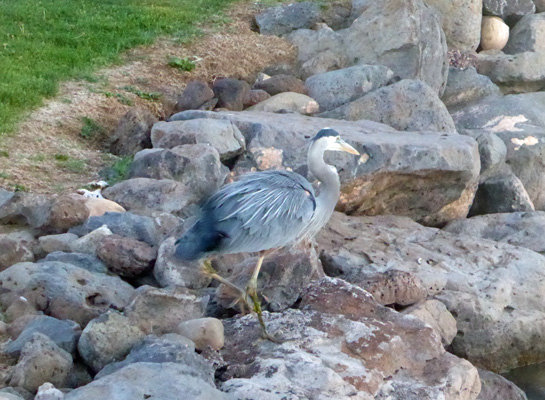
[45, 42]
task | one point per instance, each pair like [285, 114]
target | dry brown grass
[229, 50]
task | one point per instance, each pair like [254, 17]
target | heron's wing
[261, 211]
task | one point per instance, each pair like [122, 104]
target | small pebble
[203, 332]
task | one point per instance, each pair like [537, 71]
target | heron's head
[331, 139]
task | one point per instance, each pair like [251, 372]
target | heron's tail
[197, 242]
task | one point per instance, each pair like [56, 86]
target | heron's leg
[208, 270]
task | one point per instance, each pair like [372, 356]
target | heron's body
[267, 210]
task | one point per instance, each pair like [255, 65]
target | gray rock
[86, 261]
[64, 334]
[23, 208]
[527, 35]
[405, 37]
[133, 132]
[195, 94]
[284, 19]
[60, 242]
[13, 251]
[256, 96]
[494, 387]
[88, 243]
[427, 176]
[231, 93]
[492, 151]
[435, 314]
[510, 10]
[204, 332]
[169, 348]
[518, 73]
[524, 229]
[466, 86]
[48, 392]
[126, 257]
[318, 51]
[281, 83]
[126, 224]
[221, 135]
[461, 22]
[341, 345]
[288, 102]
[493, 294]
[519, 121]
[171, 271]
[160, 311]
[540, 5]
[41, 361]
[389, 105]
[5, 395]
[527, 378]
[70, 292]
[501, 194]
[160, 381]
[335, 88]
[155, 196]
[108, 338]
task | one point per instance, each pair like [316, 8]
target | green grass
[184, 64]
[43, 42]
[71, 164]
[90, 128]
[118, 171]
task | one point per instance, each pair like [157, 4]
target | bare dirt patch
[34, 158]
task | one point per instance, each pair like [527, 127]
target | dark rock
[64, 334]
[281, 83]
[41, 361]
[156, 380]
[501, 194]
[169, 348]
[256, 97]
[231, 93]
[108, 338]
[524, 229]
[126, 257]
[86, 261]
[195, 94]
[70, 292]
[221, 135]
[508, 10]
[161, 310]
[127, 224]
[24, 208]
[492, 151]
[335, 88]
[527, 35]
[466, 86]
[389, 105]
[133, 132]
[284, 19]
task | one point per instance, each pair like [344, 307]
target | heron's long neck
[330, 185]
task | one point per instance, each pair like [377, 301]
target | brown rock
[195, 95]
[231, 93]
[255, 97]
[281, 83]
[13, 251]
[126, 257]
[68, 211]
[133, 132]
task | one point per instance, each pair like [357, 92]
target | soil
[34, 158]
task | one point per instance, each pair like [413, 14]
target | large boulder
[284, 19]
[342, 345]
[408, 105]
[514, 73]
[519, 121]
[430, 177]
[70, 292]
[405, 36]
[222, 135]
[510, 10]
[524, 229]
[133, 132]
[494, 295]
[495, 387]
[461, 22]
[335, 88]
[126, 257]
[149, 380]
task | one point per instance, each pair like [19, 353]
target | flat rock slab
[428, 176]
[494, 290]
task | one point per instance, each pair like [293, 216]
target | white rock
[494, 33]
[203, 332]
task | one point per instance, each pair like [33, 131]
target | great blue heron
[265, 210]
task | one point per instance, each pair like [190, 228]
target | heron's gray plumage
[265, 210]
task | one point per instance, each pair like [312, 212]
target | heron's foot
[240, 297]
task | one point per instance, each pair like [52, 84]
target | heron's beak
[346, 147]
